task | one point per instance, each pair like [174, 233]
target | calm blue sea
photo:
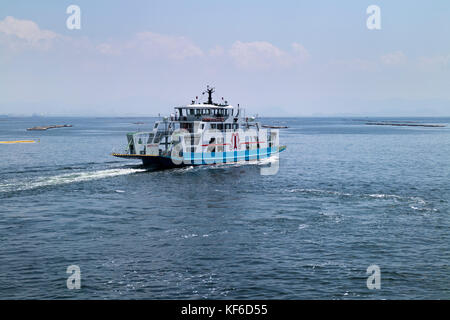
[347, 196]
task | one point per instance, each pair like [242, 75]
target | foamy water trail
[241, 163]
[414, 202]
[264, 161]
[183, 169]
[64, 179]
[318, 191]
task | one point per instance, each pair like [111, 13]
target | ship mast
[210, 91]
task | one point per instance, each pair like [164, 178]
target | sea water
[346, 196]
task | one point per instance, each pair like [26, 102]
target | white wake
[64, 179]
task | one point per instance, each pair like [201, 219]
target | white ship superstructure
[203, 133]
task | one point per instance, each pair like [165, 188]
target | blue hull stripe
[224, 157]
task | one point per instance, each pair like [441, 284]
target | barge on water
[201, 134]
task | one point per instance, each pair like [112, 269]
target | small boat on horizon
[201, 134]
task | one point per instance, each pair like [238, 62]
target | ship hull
[197, 159]
[151, 161]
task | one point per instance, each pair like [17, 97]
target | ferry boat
[201, 134]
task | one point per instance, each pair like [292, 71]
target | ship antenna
[210, 91]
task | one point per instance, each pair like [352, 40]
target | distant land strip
[405, 124]
[274, 127]
[387, 121]
[43, 128]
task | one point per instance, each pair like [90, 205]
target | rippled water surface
[346, 196]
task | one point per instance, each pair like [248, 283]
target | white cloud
[394, 58]
[216, 51]
[153, 45]
[257, 55]
[174, 47]
[108, 49]
[26, 34]
[19, 33]
[264, 55]
[300, 53]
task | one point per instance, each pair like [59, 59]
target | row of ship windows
[216, 126]
[212, 141]
[215, 112]
[226, 126]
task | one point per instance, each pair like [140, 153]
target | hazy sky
[275, 58]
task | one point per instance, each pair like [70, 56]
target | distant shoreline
[409, 124]
[44, 128]
[350, 117]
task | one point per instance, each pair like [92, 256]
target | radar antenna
[210, 91]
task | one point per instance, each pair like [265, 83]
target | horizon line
[160, 116]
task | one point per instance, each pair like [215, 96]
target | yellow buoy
[19, 141]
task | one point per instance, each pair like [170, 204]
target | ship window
[203, 126]
[213, 126]
[150, 138]
[188, 127]
[235, 126]
[192, 111]
[156, 125]
[220, 126]
[211, 146]
[158, 137]
[228, 126]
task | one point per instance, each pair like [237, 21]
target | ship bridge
[204, 112]
[208, 111]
